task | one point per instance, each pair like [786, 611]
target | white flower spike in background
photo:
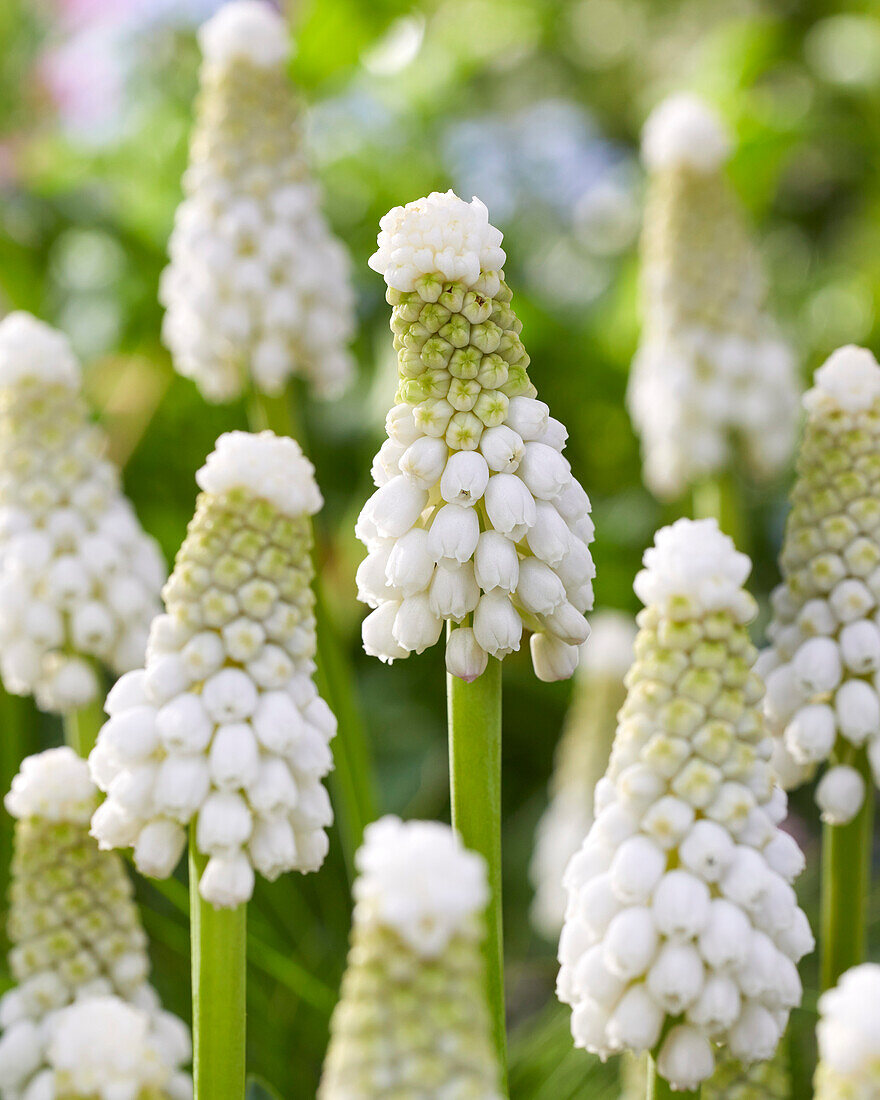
[712, 379]
[477, 520]
[849, 1037]
[224, 725]
[412, 1019]
[682, 931]
[257, 288]
[79, 579]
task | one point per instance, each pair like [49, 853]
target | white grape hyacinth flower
[580, 762]
[79, 579]
[848, 1033]
[477, 520]
[224, 726]
[257, 288]
[682, 931]
[712, 382]
[823, 664]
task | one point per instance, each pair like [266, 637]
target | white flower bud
[410, 564]
[227, 881]
[424, 461]
[528, 417]
[465, 478]
[681, 905]
[509, 504]
[496, 563]
[810, 735]
[454, 533]
[553, 659]
[857, 709]
[539, 589]
[840, 794]
[676, 978]
[636, 1021]
[502, 448]
[465, 657]
[686, 1057]
[396, 506]
[158, 848]
[860, 646]
[497, 626]
[416, 626]
[817, 665]
[544, 471]
[454, 592]
[630, 942]
[636, 869]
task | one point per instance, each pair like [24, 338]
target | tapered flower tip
[848, 1031]
[693, 561]
[33, 350]
[848, 380]
[417, 879]
[441, 234]
[248, 30]
[609, 649]
[266, 466]
[684, 131]
[54, 785]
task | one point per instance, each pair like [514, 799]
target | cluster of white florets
[79, 579]
[477, 519]
[823, 665]
[711, 374]
[580, 763]
[224, 725]
[257, 289]
[849, 1037]
[683, 931]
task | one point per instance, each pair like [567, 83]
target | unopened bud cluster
[823, 667]
[476, 519]
[712, 381]
[730, 1081]
[79, 579]
[412, 1020]
[224, 725]
[257, 288]
[682, 931]
[849, 1037]
[581, 760]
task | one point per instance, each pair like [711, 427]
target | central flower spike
[412, 1019]
[224, 726]
[682, 929]
[258, 288]
[477, 519]
[849, 1037]
[824, 659]
[712, 380]
[79, 580]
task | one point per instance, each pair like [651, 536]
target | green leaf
[258, 1089]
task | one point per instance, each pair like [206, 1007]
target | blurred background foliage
[536, 107]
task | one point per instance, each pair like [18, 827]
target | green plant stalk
[475, 792]
[219, 982]
[846, 881]
[81, 727]
[658, 1089]
[718, 498]
[15, 745]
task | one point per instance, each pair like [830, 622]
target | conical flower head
[712, 382]
[849, 1037]
[581, 759]
[476, 520]
[730, 1081]
[682, 929]
[824, 659]
[257, 288]
[224, 725]
[79, 579]
[412, 1021]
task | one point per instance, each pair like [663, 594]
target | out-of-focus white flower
[476, 519]
[581, 759]
[849, 1037]
[823, 663]
[712, 377]
[257, 289]
[79, 579]
[415, 951]
[680, 905]
[224, 724]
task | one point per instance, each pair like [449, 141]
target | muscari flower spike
[257, 288]
[682, 929]
[412, 1021]
[476, 520]
[823, 663]
[75, 933]
[730, 1081]
[224, 725]
[712, 382]
[581, 759]
[848, 1033]
[79, 579]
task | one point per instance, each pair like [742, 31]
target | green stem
[219, 954]
[846, 881]
[658, 1089]
[475, 792]
[15, 745]
[719, 498]
[81, 727]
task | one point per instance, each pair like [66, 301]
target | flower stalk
[658, 1089]
[81, 727]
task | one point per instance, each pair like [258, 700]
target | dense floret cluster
[849, 1037]
[730, 1081]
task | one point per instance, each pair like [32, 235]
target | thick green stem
[658, 1089]
[81, 727]
[718, 498]
[219, 965]
[475, 792]
[846, 881]
[15, 745]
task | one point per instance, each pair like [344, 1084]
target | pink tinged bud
[416, 627]
[454, 592]
[410, 563]
[502, 448]
[158, 848]
[465, 657]
[681, 905]
[227, 881]
[686, 1058]
[858, 711]
[593, 979]
[127, 692]
[465, 478]
[860, 647]
[132, 734]
[707, 851]
[234, 758]
[272, 846]
[717, 1006]
[496, 562]
[544, 470]
[376, 632]
[224, 823]
[528, 417]
[229, 695]
[840, 794]
[817, 666]
[183, 726]
[181, 787]
[552, 659]
[395, 507]
[454, 533]
[630, 943]
[539, 590]
[724, 941]
[636, 869]
[424, 460]
[754, 1036]
[811, 734]
[497, 625]
[568, 624]
[676, 978]
[636, 1022]
[274, 787]
[509, 504]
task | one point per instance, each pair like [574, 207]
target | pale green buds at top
[712, 381]
[79, 579]
[849, 1037]
[257, 289]
[224, 726]
[412, 1022]
[823, 664]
